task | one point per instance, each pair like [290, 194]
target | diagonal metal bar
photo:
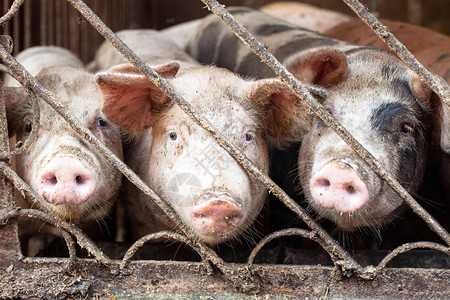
[11, 12]
[300, 90]
[235, 152]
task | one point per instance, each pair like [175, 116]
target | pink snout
[338, 186]
[65, 180]
[216, 217]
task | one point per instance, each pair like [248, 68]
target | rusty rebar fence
[245, 278]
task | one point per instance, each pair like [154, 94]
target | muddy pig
[382, 103]
[76, 182]
[212, 194]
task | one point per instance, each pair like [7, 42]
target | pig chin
[216, 216]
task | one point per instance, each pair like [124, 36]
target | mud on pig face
[391, 121]
[212, 194]
[74, 180]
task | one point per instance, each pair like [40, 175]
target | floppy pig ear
[16, 102]
[287, 118]
[130, 99]
[167, 71]
[324, 67]
[441, 112]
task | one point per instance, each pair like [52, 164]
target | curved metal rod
[410, 246]
[235, 152]
[83, 240]
[300, 90]
[11, 12]
[71, 247]
[437, 84]
[168, 235]
[289, 232]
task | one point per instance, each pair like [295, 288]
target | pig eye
[28, 127]
[101, 122]
[249, 137]
[173, 136]
[406, 128]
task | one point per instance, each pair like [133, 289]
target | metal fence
[105, 277]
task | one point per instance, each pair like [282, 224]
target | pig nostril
[323, 182]
[350, 189]
[80, 180]
[52, 180]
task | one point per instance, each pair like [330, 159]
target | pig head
[391, 120]
[214, 196]
[75, 182]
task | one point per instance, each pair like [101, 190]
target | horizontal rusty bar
[168, 279]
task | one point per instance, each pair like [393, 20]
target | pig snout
[338, 186]
[218, 216]
[65, 180]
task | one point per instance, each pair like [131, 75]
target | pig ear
[324, 67]
[168, 70]
[441, 112]
[16, 103]
[130, 100]
[286, 117]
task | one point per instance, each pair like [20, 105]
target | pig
[305, 15]
[74, 180]
[215, 198]
[432, 49]
[179, 33]
[162, 50]
[380, 101]
[38, 58]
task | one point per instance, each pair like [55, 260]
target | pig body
[379, 100]
[151, 46]
[305, 15]
[76, 182]
[211, 193]
[37, 58]
[179, 33]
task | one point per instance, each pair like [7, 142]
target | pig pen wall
[60, 24]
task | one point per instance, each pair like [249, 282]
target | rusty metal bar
[410, 246]
[187, 280]
[288, 232]
[300, 90]
[438, 85]
[235, 152]
[11, 12]
[9, 237]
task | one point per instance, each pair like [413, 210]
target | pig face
[212, 194]
[74, 180]
[391, 121]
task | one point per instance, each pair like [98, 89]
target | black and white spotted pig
[382, 103]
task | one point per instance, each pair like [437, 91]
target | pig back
[152, 47]
[213, 43]
[37, 58]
